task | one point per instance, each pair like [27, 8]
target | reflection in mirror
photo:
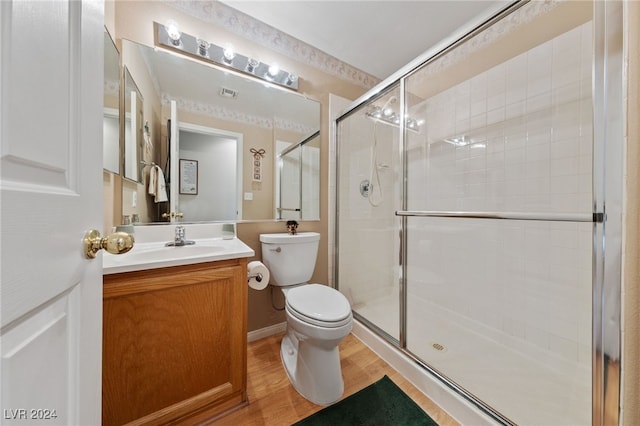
[133, 129]
[219, 174]
[111, 122]
[298, 174]
[311, 179]
[252, 113]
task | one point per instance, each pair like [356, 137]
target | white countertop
[152, 255]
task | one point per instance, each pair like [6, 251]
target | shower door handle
[543, 216]
[402, 251]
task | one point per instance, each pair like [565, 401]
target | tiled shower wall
[528, 121]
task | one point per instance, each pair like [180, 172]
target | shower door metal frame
[609, 114]
[609, 92]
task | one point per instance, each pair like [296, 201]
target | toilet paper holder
[258, 276]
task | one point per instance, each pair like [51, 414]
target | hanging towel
[157, 186]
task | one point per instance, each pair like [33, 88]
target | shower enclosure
[469, 225]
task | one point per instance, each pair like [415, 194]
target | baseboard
[261, 333]
[457, 407]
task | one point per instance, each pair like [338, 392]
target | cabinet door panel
[175, 348]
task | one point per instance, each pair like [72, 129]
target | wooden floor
[274, 401]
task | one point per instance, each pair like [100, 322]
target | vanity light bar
[209, 52]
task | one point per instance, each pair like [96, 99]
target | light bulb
[274, 70]
[203, 47]
[229, 54]
[173, 31]
[252, 64]
[291, 79]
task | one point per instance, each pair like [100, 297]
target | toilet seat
[319, 305]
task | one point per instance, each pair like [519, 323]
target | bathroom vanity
[174, 337]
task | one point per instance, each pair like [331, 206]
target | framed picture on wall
[189, 177]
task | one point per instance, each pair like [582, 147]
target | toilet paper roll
[258, 275]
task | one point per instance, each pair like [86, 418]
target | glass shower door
[499, 214]
[369, 194]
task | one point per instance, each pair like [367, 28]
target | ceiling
[378, 37]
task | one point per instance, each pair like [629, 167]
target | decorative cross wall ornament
[258, 154]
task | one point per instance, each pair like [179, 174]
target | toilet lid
[319, 304]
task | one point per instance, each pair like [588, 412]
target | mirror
[111, 121]
[133, 117]
[221, 118]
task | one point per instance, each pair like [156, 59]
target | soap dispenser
[126, 225]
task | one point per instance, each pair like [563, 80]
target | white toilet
[318, 317]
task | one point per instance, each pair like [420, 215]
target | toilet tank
[290, 259]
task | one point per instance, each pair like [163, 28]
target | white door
[51, 77]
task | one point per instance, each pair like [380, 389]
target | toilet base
[314, 371]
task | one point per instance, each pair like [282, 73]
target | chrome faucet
[179, 238]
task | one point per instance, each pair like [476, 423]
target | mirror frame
[112, 112]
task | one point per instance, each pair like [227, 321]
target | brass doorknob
[116, 243]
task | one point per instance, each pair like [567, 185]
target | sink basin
[157, 255]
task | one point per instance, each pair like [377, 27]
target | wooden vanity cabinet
[174, 343]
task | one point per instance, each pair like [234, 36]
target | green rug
[382, 403]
